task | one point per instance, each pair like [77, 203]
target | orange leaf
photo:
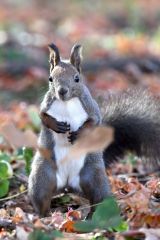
[73, 215]
[68, 226]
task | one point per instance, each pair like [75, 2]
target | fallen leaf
[68, 226]
[38, 224]
[19, 216]
[57, 219]
[73, 215]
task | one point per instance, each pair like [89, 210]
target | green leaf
[4, 188]
[107, 214]
[40, 235]
[3, 170]
[4, 156]
[122, 227]
[87, 226]
[28, 155]
[9, 171]
[19, 152]
[62, 200]
[57, 234]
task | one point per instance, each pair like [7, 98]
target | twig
[130, 194]
[13, 196]
[133, 233]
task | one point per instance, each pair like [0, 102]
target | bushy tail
[135, 116]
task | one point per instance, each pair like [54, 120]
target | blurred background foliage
[121, 41]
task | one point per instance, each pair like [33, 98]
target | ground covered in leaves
[121, 50]
[136, 190]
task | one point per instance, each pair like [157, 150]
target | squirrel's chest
[70, 111]
[74, 114]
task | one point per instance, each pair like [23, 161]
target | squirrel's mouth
[63, 97]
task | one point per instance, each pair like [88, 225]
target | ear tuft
[76, 56]
[54, 58]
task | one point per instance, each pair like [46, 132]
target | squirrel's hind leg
[42, 184]
[93, 180]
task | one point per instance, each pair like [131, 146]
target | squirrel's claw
[72, 136]
[62, 127]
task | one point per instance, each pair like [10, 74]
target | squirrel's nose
[62, 91]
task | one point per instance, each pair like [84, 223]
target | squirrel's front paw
[52, 123]
[62, 127]
[73, 136]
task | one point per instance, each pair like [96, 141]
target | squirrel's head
[65, 75]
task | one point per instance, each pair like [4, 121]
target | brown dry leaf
[153, 184]
[133, 184]
[3, 233]
[38, 224]
[73, 215]
[68, 226]
[17, 138]
[139, 200]
[152, 220]
[116, 184]
[57, 219]
[155, 196]
[136, 199]
[91, 140]
[19, 216]
[3, 213]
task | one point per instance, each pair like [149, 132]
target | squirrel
[68, 108]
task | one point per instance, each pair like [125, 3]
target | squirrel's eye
[50, 79]
[76, 78]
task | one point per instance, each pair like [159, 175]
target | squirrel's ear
[54, 57]
[76, 56]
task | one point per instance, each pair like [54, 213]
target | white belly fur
[74, 114]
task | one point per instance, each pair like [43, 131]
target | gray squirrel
[67, 108]
[72, 108]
